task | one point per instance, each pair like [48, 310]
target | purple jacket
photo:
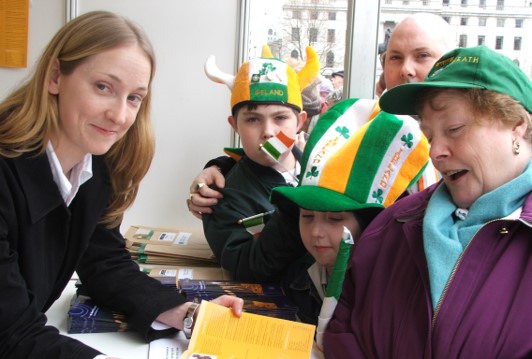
[385, 310]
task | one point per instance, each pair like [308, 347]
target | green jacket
[262, 258]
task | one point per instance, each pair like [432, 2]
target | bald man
[414, 46]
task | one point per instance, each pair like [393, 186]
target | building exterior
[503, 25]
[321, 24]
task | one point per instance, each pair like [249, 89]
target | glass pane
[471, 25]
[288, 26]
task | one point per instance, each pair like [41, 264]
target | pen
[240, 221]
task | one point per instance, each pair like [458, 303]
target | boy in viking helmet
[266, 105]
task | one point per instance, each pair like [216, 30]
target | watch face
[187, 322]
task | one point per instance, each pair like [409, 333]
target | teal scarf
[444, 238]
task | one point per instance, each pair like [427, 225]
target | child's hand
[301, 140]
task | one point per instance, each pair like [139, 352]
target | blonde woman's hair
[29, 115]
[496, 105]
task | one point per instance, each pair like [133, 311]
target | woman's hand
[230, 301]
[174, 317]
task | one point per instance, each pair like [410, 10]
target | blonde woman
[75, 142]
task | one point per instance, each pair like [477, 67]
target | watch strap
[188, 321]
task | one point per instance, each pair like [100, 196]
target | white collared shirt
[291, 176]
[79, 174]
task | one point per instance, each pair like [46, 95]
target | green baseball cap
[466, 68]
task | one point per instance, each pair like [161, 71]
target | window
[314, 15]
[500, 4]
[388, 2]
[482, 4]
[445, 2]
[517, 43]
[295, 34]
[481, 21]
[518, 23]
[500, 22]
[447, 18]
[313, 34]
[425, 2]
[481, 40]
[294, 54]
[296, 14]
[499, 42]
[329, 62]
[406, 2]
[331, 35]
[463, 3]
[332, 15]
[463, 21]
[463, 41]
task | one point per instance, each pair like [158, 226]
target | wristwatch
[188, 321]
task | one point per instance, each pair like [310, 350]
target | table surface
[123, 345]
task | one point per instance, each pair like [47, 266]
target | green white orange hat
[346, 167]
[267, 79]
[466, 68]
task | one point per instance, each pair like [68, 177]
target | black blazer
[42, 243]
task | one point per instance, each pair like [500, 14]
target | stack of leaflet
[170, 275]
[263, 299]
[85, 316]
[170, 246]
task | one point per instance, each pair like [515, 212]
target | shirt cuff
[156, 325]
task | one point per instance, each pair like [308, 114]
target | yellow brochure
[218, 334]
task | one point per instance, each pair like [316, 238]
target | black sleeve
[113, 280]
[224, 162]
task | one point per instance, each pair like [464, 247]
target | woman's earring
[516, 147]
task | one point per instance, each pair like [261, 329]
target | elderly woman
[447, 272]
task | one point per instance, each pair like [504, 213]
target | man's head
[337, 79]
[416, 43]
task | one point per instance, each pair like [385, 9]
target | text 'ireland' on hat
[466, 68]
[266, 79]
[346, 167]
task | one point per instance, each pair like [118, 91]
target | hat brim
[318, 199]
[402, 99]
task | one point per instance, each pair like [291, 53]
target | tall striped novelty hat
[346, 167]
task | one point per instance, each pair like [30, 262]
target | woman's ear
[55, 74]
[520, 129]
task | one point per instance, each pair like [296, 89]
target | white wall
[41, 29]
[189, 111]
